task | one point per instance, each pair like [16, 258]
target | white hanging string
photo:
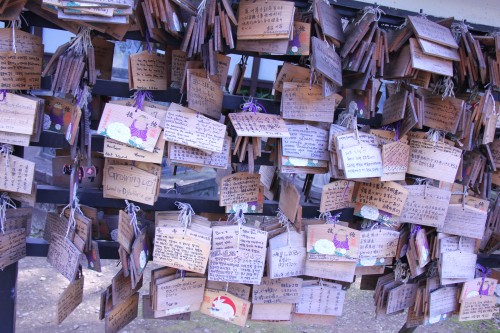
[349, 118]
[239, 219]
[459, 28]
[329, 218]
[445, 87]
[6, 150]
[185, 214]
[5, 202]
[81, 42]
[377, 11]
[74, 208]
[463, 194]
[84, 95]
[285, 223]
[132, 210]
[435, 136]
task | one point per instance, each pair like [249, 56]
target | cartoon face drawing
[223, 307]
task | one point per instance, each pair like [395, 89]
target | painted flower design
[119, 132]
[135, 141]
[297, 161]
[240, 206]
[368, 261]
[324, 246]
[370, 213]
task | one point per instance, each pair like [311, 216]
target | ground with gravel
[39, 287]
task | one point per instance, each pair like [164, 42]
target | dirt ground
[39, 287]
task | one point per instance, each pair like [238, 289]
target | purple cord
[141, 96]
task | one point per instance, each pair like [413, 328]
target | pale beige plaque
[438, 50]
[237, 265]
[362, 161]
[225, 306]
[17, 114]
[306, 141]
[477, 308]
[335, 270]
[443, 114]
[253, 26]
[395, 157]
[438, 161]
[432, 31]
[179, 295]
[326, 61]
[464, 221]
[187, 127]
[148, 71]
[16, 174]
[389, 197]
[422, 61]
[443, 300]
[239, 187]
[291, 73]
[259, 125]
[327, 299]
[120, 150]
[458, 265]
[64, 256]
[178, 153]
[287, 255]
[180, 251]
[205, 96]
[303, 102]
[378, 243]
[122, 314]
[70, 299]
[425, 205]
[401, 297]
[273, 291]
[394, 107]
[336, 195]
[12, 247]
[128, 182]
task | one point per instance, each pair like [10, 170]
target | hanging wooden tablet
[148, 71]
[425, 205]
[433, 160]
[207, 134]
[238, 188]
[71, 297]
[303, 102]
[251, 26]
[326, 61]
[236, 248]
[426, 29]
[287, 255]
[329, 242]
[380, 201]
[21, 54]
[311, 293]
[129, 125]
[225, 306]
